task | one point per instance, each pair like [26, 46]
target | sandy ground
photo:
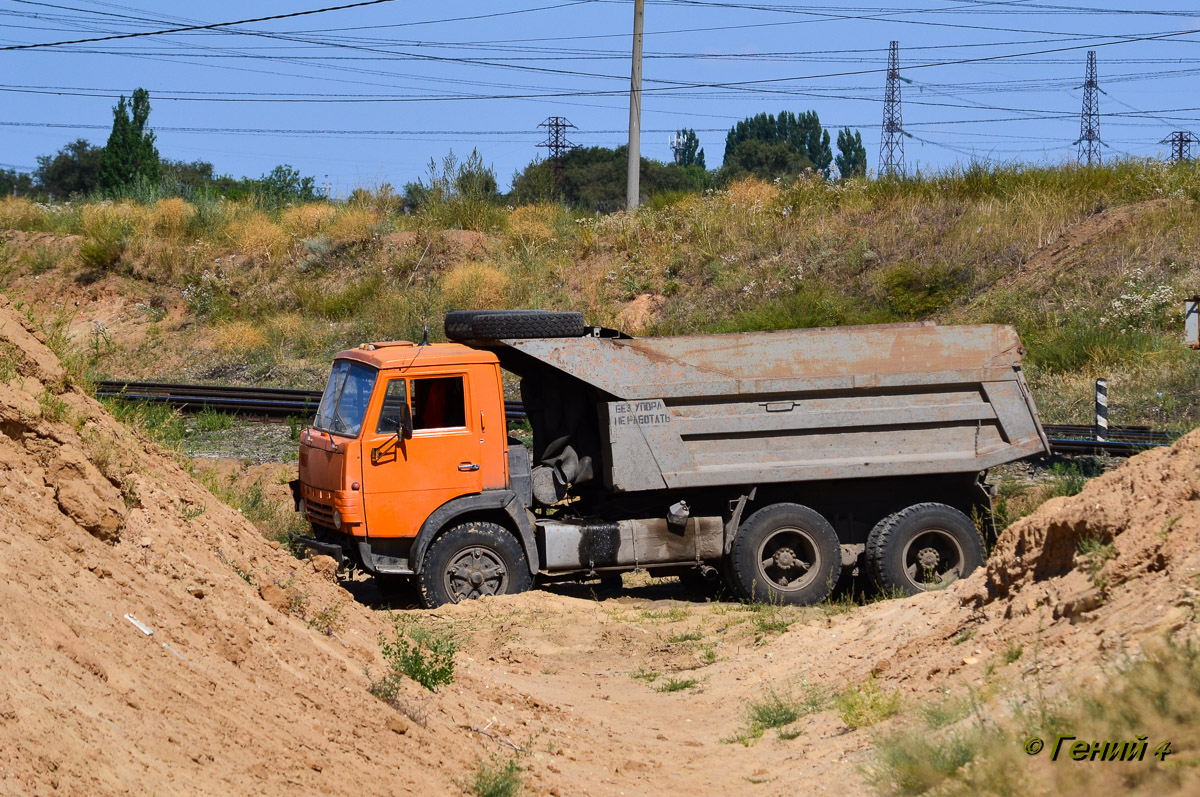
[240, 689]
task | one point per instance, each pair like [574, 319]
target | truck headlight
[337, 520]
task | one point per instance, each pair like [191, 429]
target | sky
[360, 97]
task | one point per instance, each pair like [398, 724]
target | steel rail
[271, 402]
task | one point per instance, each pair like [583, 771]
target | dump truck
[773, 462]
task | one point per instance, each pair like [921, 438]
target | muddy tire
[927, 546]
[470, 561]
[518, 324]
[460, 324]
[785, 553]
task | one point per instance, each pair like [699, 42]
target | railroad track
[276, 403]
[1079, 439]
[262, 402]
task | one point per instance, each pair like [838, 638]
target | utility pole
[891, 146]
[633, 174]
[1089, 122]
[556, 145]
[1181, 145]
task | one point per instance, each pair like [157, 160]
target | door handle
[468, 466]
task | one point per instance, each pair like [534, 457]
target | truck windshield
[344, 402]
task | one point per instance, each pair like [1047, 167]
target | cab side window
[394, 401]
[438, 403]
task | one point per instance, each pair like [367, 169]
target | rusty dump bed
[800, 405]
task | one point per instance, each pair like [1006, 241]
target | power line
[185, 29]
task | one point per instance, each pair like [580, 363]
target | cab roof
[403, 354]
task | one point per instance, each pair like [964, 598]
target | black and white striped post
[1101, 410]
[1191, 322]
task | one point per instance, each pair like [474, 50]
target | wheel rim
[788, 559]
[475, 572]
[933, 559]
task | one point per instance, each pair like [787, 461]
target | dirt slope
[1058, 260]
[230, 694]
[234, 693]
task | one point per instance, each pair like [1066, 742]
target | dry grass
[1153, 698]
[534, 225]
[239, 337]
[476, 285]
[17, 213]
[305, 221]
[261, 240]
[354, 224]
[170, 218]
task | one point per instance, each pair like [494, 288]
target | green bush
[209, 420]
[105, 243]
[866, 705]
[819, 306]
[425, 656]
[492, 780]
[914, 291]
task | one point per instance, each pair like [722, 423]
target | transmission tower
[1089, 123]
[675, 141]
[556, 144]
[891, 147]
[1181, 145]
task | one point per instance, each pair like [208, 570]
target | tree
[130, 156]
[181, 177]
[690, 153]
[13, 182]
[284, 184]
[770, 147]
[594, 178]
[533, 184]
[474, 180]
[73, 170]
[852, 155]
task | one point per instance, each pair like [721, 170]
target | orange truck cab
[407, 436]
[776, 460]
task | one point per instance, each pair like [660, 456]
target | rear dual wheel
[924, 547]
[785, 553]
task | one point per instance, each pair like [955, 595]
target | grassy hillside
[1091, 264]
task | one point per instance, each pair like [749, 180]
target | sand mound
[233, 692]
[1139, 524]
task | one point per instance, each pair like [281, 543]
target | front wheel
[470, 561]
[927, 546]
[785, 553]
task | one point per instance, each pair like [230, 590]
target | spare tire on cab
[512, 324]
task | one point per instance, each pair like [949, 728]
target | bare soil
[240, 690]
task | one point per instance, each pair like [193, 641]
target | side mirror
[406, 424]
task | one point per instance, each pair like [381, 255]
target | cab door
[406, 479]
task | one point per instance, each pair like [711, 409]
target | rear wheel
[785, 553]
[470, 561]
[927, 546]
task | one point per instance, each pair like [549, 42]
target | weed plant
[420, 654]
[495, 779]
